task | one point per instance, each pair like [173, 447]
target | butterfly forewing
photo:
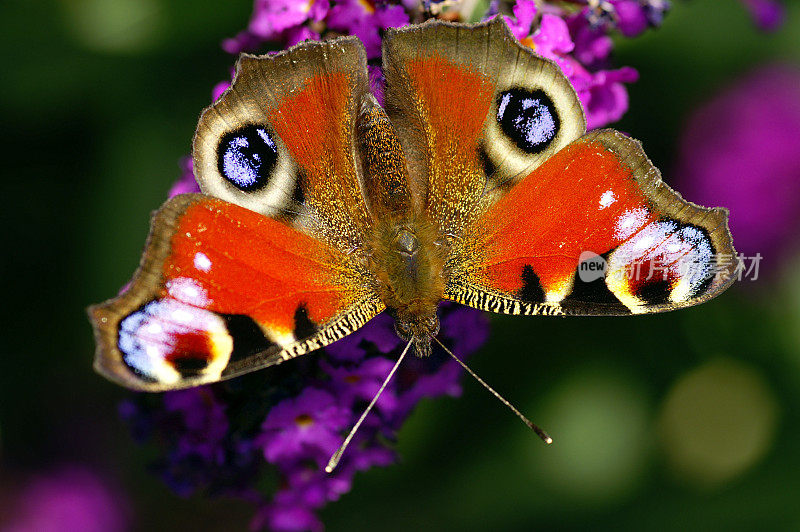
[454, 92]
[280, 141]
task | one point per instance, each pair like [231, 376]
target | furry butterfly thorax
[475, 182]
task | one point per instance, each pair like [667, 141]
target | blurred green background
[689, 420]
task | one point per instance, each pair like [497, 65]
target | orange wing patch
[316, 125]
[247, 263]
[546, 224]
[452, 119]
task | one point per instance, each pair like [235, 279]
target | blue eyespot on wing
[528, 118]
[247, 157]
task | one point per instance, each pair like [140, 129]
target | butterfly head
[420, 330]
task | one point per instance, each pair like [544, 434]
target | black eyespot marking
[303, 326]
[489, 167]
[531, 290]
[528, 118]
[589, 294]
[246, 157]
[298, 194]
[190, 365]
[248, 338]
[654, 292]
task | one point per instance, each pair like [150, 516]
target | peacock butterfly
[475, 183]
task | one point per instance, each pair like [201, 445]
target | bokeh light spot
[717, 421]
[599, 421]
[116, 26]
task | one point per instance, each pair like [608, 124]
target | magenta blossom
[245, 41]
[768, 14]
[592, 43]
[204, 421]
[521, 24]
[366, 20]
[272, 17]
[309, 488]
[186, 183]
[287, 518]
[73, 498]
[379, 335]
[604, 95]
[309, 423]
[633, 17]
[377, 82]
[602, 92]
[552, 38]
[299, 34]
[629, 17]
[360, 383]
[741, 150]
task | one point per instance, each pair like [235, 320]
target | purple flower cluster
[579, 42]
[219, 439]
[289, 22]
[200, 451]
[186, 183]
[289, 420]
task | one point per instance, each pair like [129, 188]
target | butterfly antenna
[531, 425]
[334, 461]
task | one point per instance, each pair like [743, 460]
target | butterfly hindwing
[222, 291]
[594, 230]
